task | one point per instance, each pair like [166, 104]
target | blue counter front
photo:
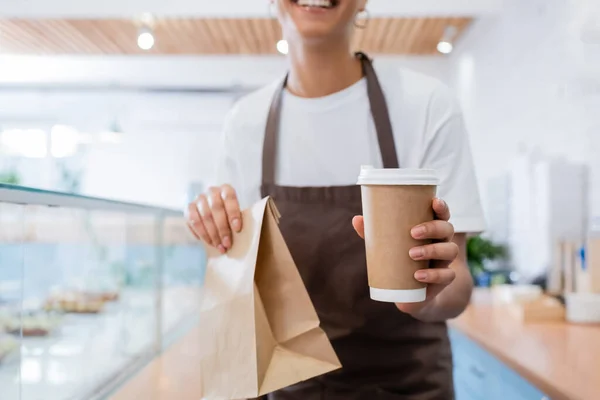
[480, 376]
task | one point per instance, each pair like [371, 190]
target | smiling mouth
[326, 4]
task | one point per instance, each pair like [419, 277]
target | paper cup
[395, 201]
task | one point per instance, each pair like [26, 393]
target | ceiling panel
[418, 36]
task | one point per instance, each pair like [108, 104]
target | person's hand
[213, 216]
[441, 253]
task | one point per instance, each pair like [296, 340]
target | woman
[302, 141]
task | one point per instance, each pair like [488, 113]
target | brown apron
[385, 354]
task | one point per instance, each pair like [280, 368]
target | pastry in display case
[74, 302]
[80, 301]
[30, 323]
[106, 297]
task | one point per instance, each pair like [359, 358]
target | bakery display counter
[91, 290]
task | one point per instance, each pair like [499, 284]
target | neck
[317, 71]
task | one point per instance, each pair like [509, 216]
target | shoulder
[251, 110]
[416, 92]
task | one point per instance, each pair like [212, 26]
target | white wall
[528, 83]
[519, 77]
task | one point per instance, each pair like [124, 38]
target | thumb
[359, 225]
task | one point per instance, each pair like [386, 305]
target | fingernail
[416, 252]
[236, 224]
[442, 203]
[421, 275]
[221, 249]
[418, 232]
[226, 242]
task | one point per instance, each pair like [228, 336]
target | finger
[439, 230]
[438, 276]
[232, 207]
[190, 226]
[446, 251]
[441, 209]
[195, 224]
[217, 208]
[358, 223]
[200, 232]
[209, 223]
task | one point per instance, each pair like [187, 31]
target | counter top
[560, 359]
[174, 375]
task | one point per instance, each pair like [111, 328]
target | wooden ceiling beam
[417, 36]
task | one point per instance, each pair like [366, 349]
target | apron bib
[385, 354]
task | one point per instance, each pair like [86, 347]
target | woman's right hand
[214, 216]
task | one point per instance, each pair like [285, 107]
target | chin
[315, 32]
[315, 20]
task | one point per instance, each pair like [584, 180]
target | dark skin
[321, 63]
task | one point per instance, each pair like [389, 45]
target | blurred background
[107, 100]
[125, 100]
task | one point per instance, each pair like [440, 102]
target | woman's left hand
[441, 253]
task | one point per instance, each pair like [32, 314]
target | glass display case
[90, 291]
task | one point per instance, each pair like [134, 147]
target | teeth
[315, 3]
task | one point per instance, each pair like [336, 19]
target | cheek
[350, 16]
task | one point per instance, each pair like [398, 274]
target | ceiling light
[282, 46]
[145, 23]
[446, 44]
[145, 38]
[445, 47]
[146, 19]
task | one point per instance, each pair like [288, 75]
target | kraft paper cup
[395, 201]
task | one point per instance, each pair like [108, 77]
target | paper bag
[260, 331]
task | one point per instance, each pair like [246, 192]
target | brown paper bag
[260, 330]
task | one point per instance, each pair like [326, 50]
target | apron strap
[270, 141]
[379, 111]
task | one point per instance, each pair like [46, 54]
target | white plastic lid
[402, 176]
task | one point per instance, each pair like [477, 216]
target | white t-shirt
[324, 141]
